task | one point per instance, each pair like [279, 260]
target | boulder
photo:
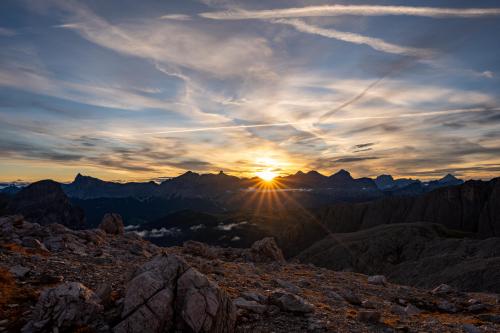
[266, 250]
[290, 302]
[112, 224]
[377, 280]
[199, 249]
[64, 308]
[251, 306]
[369, 316]
[166, 294]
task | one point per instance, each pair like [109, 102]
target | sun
[266, 175]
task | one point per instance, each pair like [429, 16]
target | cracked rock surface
[166, 294]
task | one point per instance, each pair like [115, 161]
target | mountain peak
[342, 174]
[450, 179]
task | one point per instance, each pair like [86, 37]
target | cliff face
[472, 207]
[418, 254]
[44, 202]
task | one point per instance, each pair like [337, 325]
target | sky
[138, 90]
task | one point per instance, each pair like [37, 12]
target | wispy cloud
[361, 10]
[205, 129]
[375, 43]
[7, 32]
[176, 17]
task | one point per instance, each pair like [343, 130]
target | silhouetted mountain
[86, 187]
[388, 183]
[44, 202]
[340, 186]
[473, 207]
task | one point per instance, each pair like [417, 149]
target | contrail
[403, 115]
[418, 114]
[203, 129]
[375, 43]
[360, 10]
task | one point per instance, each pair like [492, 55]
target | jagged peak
[342, 173]
[384, 176]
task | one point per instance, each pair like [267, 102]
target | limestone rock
[198, 249]
[64, 308]
[377, 279]
[166, 294]
[290, 302]
[251, 306]
[112, 224]
[266, 250]
[369, 316]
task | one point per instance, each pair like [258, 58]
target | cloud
[355, 159]
[358, 10]
[375, 43]
[364, 145]
[171, 42]
[7, 32]
[176, 17]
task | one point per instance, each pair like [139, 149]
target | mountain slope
[418, 254]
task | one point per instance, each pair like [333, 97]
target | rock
[398, 309]
[104, 292]
[493, 318]
[377, 280]
[186, 300]
[199, 249]
[350, 297]
[254, 297]
[252, 306]
[19, 271]
[34, 244]
[442, 289]
[266, 250]
[112, 224]
[369, 316]
[273, 310]
[287, 286]
[367, 304]
[446, 306]
[64, 308]
[412, 310]
[477, 307]
[469, 328]
[290, 302]
[334, 295]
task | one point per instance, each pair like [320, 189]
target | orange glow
[266, 175]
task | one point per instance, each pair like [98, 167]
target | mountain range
[191, 184]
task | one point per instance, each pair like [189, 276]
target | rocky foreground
[53, 279]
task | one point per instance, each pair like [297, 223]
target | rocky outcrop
[112, 224]
[44, 202]
[65, 308]
[419, 254]
[266, 250]
[166, 294]
[16, 231]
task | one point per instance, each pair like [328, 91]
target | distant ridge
[192, 184]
